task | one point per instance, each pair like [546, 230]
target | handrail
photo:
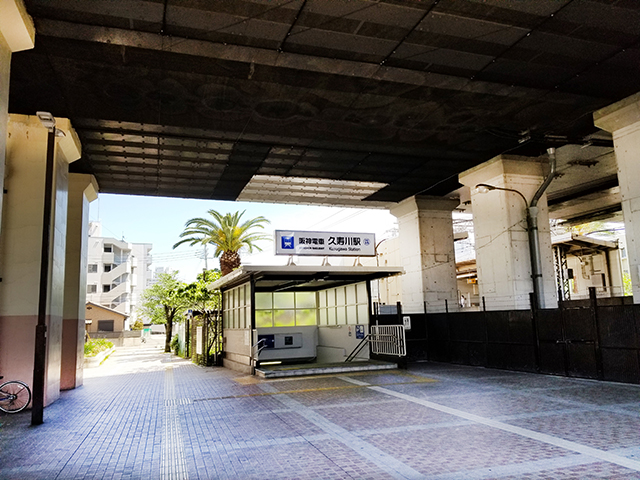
[256, 353]
[356, 350]
[378, 337]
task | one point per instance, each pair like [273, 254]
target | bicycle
[14, 396]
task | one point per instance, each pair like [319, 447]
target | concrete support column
[83, 189]
[428, 254]
[20, 249]
[17, 33]
[500, 226]
[622, 119]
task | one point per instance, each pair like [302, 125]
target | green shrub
[94, 347]
[175, 345]
[138, 325]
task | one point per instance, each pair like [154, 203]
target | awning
[302, 277]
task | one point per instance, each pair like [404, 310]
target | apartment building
[118, 272]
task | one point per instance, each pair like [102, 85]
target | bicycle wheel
[14, 396]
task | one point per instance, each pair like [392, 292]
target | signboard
[359, 332]
[291, 242]
[406, 321]
[199, 340]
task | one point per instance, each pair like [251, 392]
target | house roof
[96, 305]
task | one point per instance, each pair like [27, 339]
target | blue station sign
[294, 242]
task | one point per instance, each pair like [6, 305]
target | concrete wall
[237, 349]
[17, 33]
[20, 249]
[622, 119]
[427, 251]
[5, 63]
[386, 291]
[501, 241]
[306, 351]
[121, 339]
[335, 343]
[82, 190]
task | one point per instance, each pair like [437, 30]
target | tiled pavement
[147, 415]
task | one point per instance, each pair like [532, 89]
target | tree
[206, 304]
[226, 234]
[199, 296]
[165, 302]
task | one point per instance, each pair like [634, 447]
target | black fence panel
[467, 327]
[416, 336]
[594, 338]
[386, 320]
[549, 323]
[510, 340]
[618, 328]
[438, 339]
[551, 354]
[578, 324]
[582, 360]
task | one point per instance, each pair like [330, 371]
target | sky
[160, 220]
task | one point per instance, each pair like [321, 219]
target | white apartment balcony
[114, 293]
[108, 257]
[112, 275]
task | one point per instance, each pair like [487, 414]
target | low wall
[121, 339]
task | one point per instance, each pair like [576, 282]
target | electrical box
[284, 344]
[288, 340]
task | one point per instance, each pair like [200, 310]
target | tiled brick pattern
[213, 423]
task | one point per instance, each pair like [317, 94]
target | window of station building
[108, 249]
[92, 268]
[92, 288]
[237, 307]
[286, 309]
[348, 305]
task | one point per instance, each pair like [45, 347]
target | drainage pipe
[532, 227]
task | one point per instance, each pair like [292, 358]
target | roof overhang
[584, 244]
[296, 277]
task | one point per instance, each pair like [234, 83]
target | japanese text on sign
[324, 243]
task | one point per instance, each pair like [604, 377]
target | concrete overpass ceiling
[202, 99]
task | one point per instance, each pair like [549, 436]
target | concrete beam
[16, 26]
[260, 56]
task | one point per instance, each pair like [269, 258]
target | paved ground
[147, 415]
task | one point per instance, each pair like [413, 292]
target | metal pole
[39, 360]
[534, 240]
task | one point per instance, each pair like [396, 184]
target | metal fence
[388, 340]
[598, 338]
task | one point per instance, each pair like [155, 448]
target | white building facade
[118, 272]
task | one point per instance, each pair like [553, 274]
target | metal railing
[388, 340]
[256, 348]
[384, 340]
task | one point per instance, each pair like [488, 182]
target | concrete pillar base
[500, 224]
[428, 255]
[622, 119]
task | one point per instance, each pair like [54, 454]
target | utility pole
[40, 353]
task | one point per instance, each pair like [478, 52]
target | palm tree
[227, 234]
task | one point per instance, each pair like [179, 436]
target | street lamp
[39, 360]
[532, 225]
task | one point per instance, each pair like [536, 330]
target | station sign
[293, 242]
